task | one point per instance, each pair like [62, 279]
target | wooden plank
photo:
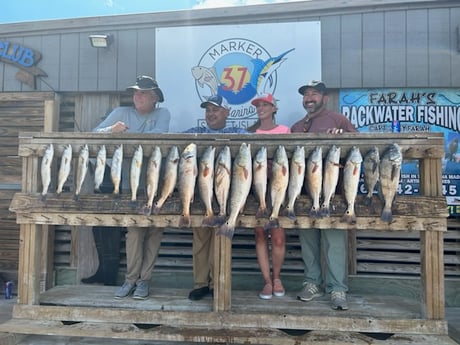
[222, 273]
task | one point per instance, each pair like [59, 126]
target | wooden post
[431, 247]
[222, 273]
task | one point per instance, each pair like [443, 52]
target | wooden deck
[167, 315]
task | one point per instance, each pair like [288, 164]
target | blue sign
[412, 110]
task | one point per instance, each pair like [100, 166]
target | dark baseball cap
[314, 84]
[216, 100]
[144, 82]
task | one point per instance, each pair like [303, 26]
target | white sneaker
[309, 292]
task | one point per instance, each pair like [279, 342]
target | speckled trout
[45, 170]
[64, 169]
[82, 169]
[101, 159]
[115, 169]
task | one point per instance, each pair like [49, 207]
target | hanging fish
[371, 171]
[206, 183]
[64, 169]
[351, 175]
[296, 178]
[278, 185]
[153, 178]
[115, 170]
[188, 171]
[82, 168]
[222, 178]
[390, 173]
[169, 178]
[314, 179]
[135, 173]
[330, 178]
[99, 171]
[240, 187]
[47, 160]
[260, 180]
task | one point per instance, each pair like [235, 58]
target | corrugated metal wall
[364, 44]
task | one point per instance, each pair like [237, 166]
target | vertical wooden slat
[222, 273]
[432, 247]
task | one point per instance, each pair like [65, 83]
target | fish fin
[206, 171]
[185, 221]
[285, 170]
[226, 230]
[262, 213]
[208, 221]
[387, 216]
[246, 173]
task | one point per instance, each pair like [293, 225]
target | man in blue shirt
[217, 112]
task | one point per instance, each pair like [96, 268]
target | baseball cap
[266, 97]
[314, 84]
[216, 100]
[144, 82]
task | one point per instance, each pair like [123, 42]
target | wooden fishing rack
[230, 317]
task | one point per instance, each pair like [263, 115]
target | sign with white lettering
[412, 110]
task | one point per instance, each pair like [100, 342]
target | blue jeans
[333, 244]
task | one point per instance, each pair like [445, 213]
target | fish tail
[226, 230]
[367, 201]
[219, 220]
[146, 210]
[262, 213]
[349, 217]
[387, 216]
[76, 197]
[97, 190]
[314, 212]
[208, 221]
[42, 197]
[273, 223]
[325, 211]
[133, 204]
[185, 221]
[289, 212]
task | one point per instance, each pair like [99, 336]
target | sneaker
[199, 293]
[142, 290]
[267, 291]
[339, 300]
[124, 290]
[309, 292]
[278, 288]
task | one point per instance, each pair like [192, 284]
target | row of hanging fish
[230, 183]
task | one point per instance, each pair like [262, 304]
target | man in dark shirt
[332, 241]
[217, 112]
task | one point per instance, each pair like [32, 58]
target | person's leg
[111, 255]
[261, 238]
[310, 242]
[151, 247]
[134, 252]
[278, 239]
[335, 250]
[201, 247]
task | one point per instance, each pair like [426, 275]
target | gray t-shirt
[155, 122]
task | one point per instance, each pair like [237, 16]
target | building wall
[365, 44]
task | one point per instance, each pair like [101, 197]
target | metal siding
[373, 43]
[395, 49]
[146, 56]
[439, 49]
[88, 71]
[417, 48]
[50, 63]
[455, 25]
[127, 57]
[69, 63]
[351, 50]
[330, 51]
[107, 67]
